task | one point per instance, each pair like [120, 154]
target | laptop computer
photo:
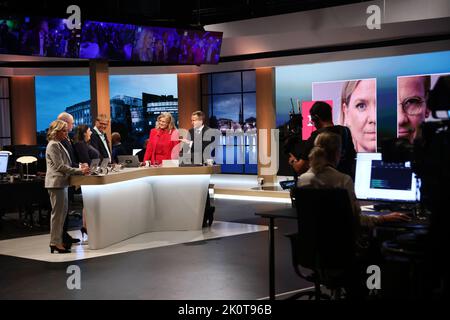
[170, 163]
[105, 163]
[288, 184]
[129, 161]
[94, 165]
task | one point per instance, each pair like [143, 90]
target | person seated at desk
[323, 160]
[85, 154]
[163, 142]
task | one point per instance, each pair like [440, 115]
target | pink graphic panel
[308, 125]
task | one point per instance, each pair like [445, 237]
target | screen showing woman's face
[360, 116]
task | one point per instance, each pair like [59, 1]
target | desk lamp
[26, 160]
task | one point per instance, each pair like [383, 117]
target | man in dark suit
[141, 153]
[99, 140]
[197, 143]
[197, 146]
[68, 146]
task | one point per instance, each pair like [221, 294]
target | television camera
[430, 159]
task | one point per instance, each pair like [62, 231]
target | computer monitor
[3, 163]
[385, 181]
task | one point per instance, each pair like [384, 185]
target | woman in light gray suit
[57, 181]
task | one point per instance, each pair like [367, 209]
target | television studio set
[203, 152]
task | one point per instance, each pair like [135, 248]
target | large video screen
[155, 45]
[354, 106]
[49, 37]
[377, 98]
[412, 109]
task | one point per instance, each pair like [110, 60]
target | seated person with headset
[323, 161]
[323, 173]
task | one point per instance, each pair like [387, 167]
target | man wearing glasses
[99, 140]
[412, 108]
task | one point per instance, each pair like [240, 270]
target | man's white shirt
[105, 144]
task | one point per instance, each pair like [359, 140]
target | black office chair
[325, 243]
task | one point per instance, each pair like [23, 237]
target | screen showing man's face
[411, 106]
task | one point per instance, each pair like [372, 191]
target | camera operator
[321, 116]
[291, 135]
[431, 158]
[429, 154]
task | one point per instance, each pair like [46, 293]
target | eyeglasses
[413, 106]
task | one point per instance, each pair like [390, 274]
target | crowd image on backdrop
[158, 45]
[39, 37]
[109, 41]
[102, 40]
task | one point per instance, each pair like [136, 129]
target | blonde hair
[347, 91]
[141, 44]
[327, 147]
[55, 127]
[167, 115]
[66, 117]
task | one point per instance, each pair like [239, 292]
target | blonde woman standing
[57, 177]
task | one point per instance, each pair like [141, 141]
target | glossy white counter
[134, 201]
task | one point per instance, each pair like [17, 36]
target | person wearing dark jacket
[99, 140]
[85, 153]
[321, 116]
[197, 133]
[83, 149]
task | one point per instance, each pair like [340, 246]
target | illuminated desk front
[121, 205]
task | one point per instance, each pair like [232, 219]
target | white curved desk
[123, 204]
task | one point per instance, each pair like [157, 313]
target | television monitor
[105, 40]
[385, 181]
[3, 163]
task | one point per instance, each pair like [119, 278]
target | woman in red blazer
[163, 143]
